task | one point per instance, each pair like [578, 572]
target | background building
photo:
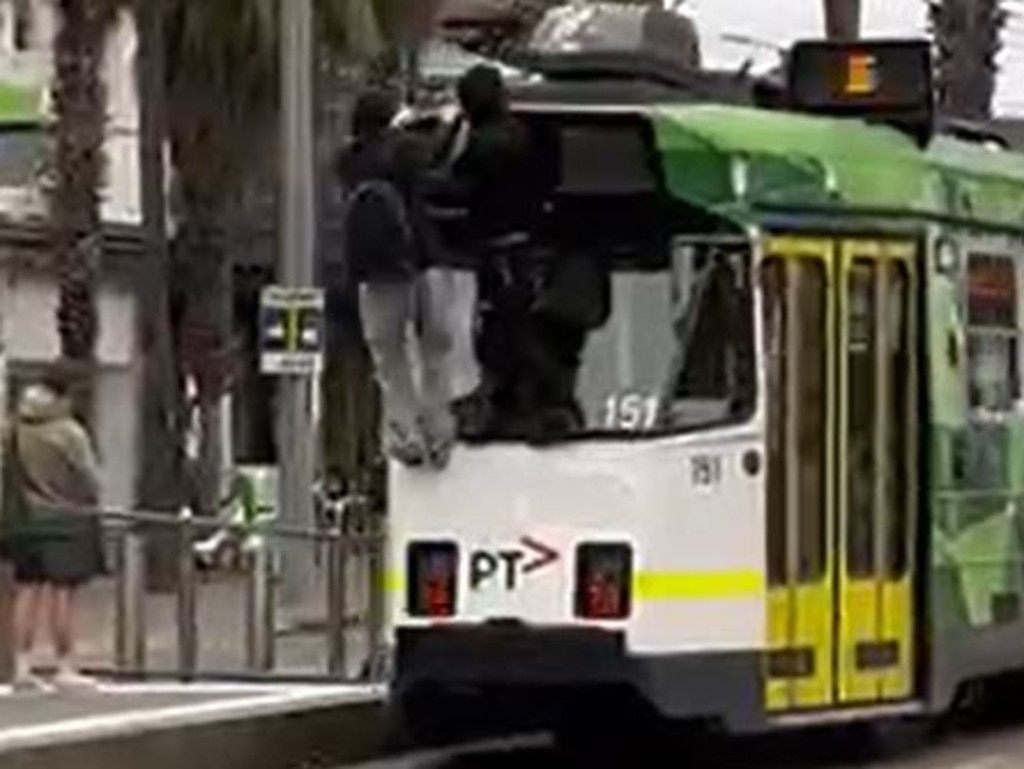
[28, 287]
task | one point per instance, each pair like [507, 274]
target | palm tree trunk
[160, 434]
[968, 34]
[842, 19]
[79, 101]
[220, 76]
[208, 290]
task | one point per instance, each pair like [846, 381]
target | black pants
[530, 360]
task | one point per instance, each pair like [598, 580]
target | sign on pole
[291, 331]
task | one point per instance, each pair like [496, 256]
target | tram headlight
[947, 257]
[604, 581]
[433, 569]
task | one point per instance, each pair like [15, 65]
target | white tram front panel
[690, 508]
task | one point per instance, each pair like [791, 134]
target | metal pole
[121, 618]
[259, 608]
[295, 444]
[188, 631]
[337, 600]
[157, 485]
[130, 620]
[8, 641]
[375, 620]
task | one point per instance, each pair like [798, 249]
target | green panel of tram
[977, 443]
[974, 502]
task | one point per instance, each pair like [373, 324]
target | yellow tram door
[798, 312]
[878, 390]
[841, 378]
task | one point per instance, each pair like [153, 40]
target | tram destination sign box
[863, 76]
[887, 81]
[291, 331]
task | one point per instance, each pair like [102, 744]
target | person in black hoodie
[390, 247]
[489, 181]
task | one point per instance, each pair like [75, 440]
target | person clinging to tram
[390, 246]
[489, 174]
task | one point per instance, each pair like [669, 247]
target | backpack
[346, 314]
[14, 512]
[398, 207]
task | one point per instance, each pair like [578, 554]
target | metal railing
[353, 539]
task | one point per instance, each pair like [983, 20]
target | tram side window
[993, 336]
[714, 379]
[776, 312]
[865, 405]
[810, 361]
[795, 312]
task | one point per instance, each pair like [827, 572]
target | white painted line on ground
[126, 724]
[222, 687]
[205, 688]
[989, 762]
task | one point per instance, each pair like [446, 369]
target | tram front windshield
[636, 329]
[676, 354]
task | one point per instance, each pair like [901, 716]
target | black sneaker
[473, 416]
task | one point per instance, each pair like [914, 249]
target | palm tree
[842, 19]
[221, 67]
[79, 103]
[968, 36]
[221, 90]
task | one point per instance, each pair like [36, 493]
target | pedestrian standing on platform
[53, 537]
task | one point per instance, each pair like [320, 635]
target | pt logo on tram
[507, 567]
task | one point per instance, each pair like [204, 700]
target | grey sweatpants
[420, 335]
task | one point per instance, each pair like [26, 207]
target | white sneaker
[404, 445]
[71, 680]
[29, 683]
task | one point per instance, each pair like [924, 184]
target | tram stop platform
[190, 726]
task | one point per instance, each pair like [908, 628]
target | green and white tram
[799, 492]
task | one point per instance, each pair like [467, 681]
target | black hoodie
[495, 171]
[387, 234]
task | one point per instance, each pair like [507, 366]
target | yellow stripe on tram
[698, 586]
[667, 585]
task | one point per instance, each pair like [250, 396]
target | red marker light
[604, 599]
[439, 590]
[604, 577]
[433, 579]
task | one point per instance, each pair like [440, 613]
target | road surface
[987, 746]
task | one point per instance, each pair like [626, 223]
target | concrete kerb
[260, 729]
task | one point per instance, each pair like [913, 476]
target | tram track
[989, 743]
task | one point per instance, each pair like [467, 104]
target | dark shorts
[30, 569]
